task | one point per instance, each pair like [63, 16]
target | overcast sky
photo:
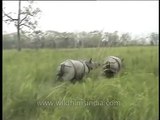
[135, 17]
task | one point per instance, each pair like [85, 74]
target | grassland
[30, 90]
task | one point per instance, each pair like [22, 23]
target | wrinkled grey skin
[111, 66]
[73, 70]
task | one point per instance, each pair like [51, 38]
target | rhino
[112, 66]
[75, 70]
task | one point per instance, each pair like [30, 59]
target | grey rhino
[73, 70]
[112, 65]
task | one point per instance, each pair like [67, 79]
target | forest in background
[54, 39]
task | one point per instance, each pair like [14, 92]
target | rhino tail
[61, 70]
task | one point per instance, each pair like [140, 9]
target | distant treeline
[54, 39]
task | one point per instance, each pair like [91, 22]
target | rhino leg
[108, 73]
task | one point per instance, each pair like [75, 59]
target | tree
[24, 19]
[125, 38]
[37, 36]
[105, 39]
[154, 38]
[9, 41]
[113, 39]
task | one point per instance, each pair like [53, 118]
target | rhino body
[73, 70]
[111, 66]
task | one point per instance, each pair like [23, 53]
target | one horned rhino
[73, 70]
[111, 66]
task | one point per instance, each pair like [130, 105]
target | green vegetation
[30, 91]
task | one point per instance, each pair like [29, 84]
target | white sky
[137, 17]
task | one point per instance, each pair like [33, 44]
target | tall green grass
[30, 90]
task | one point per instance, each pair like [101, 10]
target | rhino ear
[90, 60]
